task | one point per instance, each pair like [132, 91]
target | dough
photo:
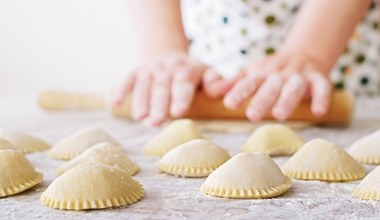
[23, 142]
[6, 145]
[92, 186]
[80, 141]
[369, 188]
[178, 132]
[247, 176]
[273, 139]
[367, 149]
[17, 174]
[195, 158]
[104, 153]
[322, 160]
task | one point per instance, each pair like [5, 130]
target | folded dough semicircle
[104, 153]
[273, 139]
[247, 176]
[92, 186]
[369, 187]
[322, 160]
[367, 149]
[195, 158]
[23, 142]
[17, 174]
[75, 144]
[178, 132]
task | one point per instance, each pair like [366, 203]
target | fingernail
[155, 117]
[178, 109]
[254, 114]
[151, 122]
[279, 114]
[234, 100]
[319, 110]
[231, 102]
[148, 123]
[138, 116]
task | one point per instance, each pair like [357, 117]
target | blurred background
[80, 45]
[89, 46]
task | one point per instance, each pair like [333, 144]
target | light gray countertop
[168, 197]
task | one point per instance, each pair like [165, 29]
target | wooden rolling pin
[340, 111]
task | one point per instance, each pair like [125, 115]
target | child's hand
[214, 86]
[279, 83]
[162, 86]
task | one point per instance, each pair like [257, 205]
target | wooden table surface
[168, 197]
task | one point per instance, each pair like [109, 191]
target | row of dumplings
[254, 174]
[17, 174]
[98, 162]
[99, 175]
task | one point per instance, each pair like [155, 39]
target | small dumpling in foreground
[247, 176]
[104, 153]
[369, 188]
[92, 186]
[367, 149]
[5, 145]
[178, 132]
[23, 142]
[17, 174]
[78, 142]
[322, 160]
[273, 139]
[195, 158]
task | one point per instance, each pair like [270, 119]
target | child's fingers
[242, 90]
[211, 83]
[183, 89]
[123, 90]
[320, 92]
[140, 96]
[159, 98]
[291, 95]
[214, 85]
[264, 98]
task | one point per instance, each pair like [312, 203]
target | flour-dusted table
[168, 197]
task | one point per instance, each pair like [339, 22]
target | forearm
[158, 26]
[323, 28]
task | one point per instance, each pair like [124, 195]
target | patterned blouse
[227, 34]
